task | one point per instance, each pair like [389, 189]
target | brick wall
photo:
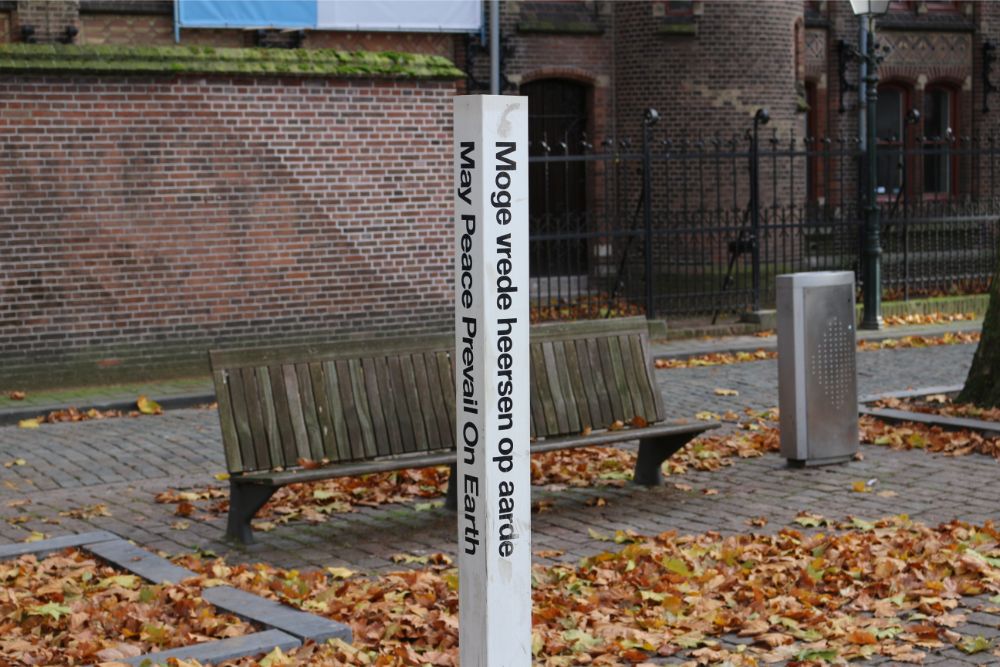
[146, 220]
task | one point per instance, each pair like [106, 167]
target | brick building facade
[148, 217]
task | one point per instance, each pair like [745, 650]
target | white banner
[491, 380]
[401, 15]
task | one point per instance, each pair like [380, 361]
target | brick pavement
[124, 463]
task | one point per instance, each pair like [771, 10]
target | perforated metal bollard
[817, 371]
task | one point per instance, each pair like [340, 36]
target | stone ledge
[300, 624]
[222, 649]
[42, 547]
[93, 59]
[149, 566]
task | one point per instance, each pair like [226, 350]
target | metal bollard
[817, 370]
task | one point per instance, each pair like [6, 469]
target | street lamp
[872, 253]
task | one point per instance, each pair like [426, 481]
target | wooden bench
[381, 405]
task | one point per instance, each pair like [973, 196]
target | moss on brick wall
[92, 59]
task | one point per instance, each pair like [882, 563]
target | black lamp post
[872, 253]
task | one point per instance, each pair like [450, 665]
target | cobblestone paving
[125, 462]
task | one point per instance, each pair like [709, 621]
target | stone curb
[286, 627]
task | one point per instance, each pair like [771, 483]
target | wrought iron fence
[702, 226]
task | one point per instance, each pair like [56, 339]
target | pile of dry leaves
[940, 404]
[906, 342]
[70, 609]
[595, 306]
[912, 435]
[890, 588]
[143, 406]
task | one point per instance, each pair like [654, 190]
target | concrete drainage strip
[286, 628]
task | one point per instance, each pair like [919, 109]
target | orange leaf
[639, 422]
[861, 637]
[308, 464]
[616, 425]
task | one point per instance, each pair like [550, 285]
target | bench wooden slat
[661, 412]
[410, 392]
[598, 382]
[646, 388]
[609, 378]
[632, 383]
[242, 419]
[336, 406]
[426, 406]
[251, 395]
[323, 416]
[274, 452]
[254, 357]
[365, 413]
[355, 441]
[398, 391]
[445, 431]
[309, 412]
[583, 405]
[230, 439]
[375, 404]
[447, 380]
[394, 438]
[569, 393]
[281, 411]
[301, 440]
[549, 424]
[558, 395]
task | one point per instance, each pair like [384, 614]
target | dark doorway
[557, 125]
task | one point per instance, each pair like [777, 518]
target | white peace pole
[491, 380]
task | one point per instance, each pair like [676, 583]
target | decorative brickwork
[146, 220]
[49, 19]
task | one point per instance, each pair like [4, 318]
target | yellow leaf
[35, 537]
[29, 423]
[274, 658]
[726, 392]
[859, 487]
[340, 572]
[221, 476]
[148, 406]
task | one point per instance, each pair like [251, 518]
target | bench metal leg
[652, 453]
[244, 501]
[451, 497]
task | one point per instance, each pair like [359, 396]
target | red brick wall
[146, 220]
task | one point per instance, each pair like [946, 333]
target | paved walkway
[123, 463]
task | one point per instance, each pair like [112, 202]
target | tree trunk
[982, 387]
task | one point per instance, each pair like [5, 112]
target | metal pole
[872, 318]
[494, 47]
[862, 86]
[647, 205]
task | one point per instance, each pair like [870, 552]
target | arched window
[557, 200]
[939, 162]
[890, 130]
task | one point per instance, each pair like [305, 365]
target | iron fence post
[760, 117]
[649, 119]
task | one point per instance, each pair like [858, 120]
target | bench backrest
[591, 374]
[386, 398]
[342, 402]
